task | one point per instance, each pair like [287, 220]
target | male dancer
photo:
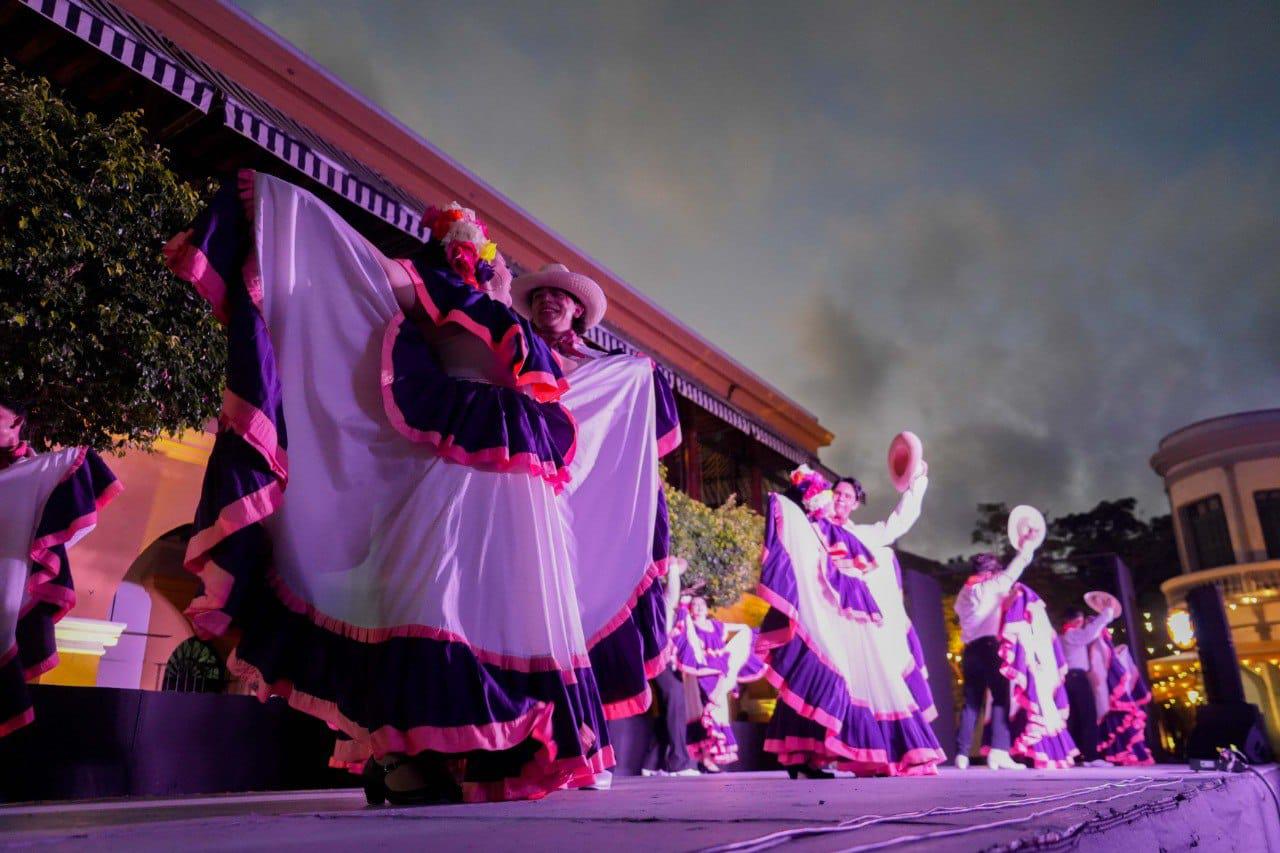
[978, 606]
[1077, 635]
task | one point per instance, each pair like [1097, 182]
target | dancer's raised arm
[901, 520]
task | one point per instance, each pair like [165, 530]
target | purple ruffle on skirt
[1035, 739]
[71, 509]
[817, 722]
[512, 728]
[710, 741]
[705, 657]
[477, 424]
[448, 300]
[847, 592]
[666, 415]
[1122, 737]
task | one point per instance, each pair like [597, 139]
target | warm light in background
[1181, 630]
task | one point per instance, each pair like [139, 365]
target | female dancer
[1034, 663]
[613, 504]
[1123, 728]
[840, 648]
[414, 587]
[1107, 688]
[715, 657]
[50, 501]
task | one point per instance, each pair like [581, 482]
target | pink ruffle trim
[539, 777]
[670, 441]
[493, 459]
[543, 387]
[14, 723]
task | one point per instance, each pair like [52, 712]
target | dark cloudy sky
[1041, 235]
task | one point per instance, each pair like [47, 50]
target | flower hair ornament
[465, 241]
[818, 499]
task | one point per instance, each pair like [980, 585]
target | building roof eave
[257, 59]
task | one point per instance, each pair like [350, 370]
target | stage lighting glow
[1181, 631]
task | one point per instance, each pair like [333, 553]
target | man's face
[846, 501]
[554, 310]
[10, 427]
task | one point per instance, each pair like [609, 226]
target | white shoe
[601, 782]
[1097, 762]
[688, 771]
[962, 762]
[999, 759]
[645, 771]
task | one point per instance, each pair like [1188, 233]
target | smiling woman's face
[846, 501]
[554, 310]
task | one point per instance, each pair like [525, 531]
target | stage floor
[1164, 808]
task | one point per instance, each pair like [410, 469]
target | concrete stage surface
[1151, 809]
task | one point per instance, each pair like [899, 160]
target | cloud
[1042, 236]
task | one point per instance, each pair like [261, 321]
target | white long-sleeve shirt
[978, 604]
[882, 534]
[1075, 641]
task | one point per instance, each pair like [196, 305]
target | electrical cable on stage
[773, 839]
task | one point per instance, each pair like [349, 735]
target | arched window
[194, 667]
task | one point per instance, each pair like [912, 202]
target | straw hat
[579, 286]
[905, 455]
[1026, 527]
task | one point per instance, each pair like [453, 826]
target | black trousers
[980, 667]
[668, 689]
[1083, 721]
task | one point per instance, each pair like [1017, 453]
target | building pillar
[1179, 535]
[1240, 544]
[692, 462]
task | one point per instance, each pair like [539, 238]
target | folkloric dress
[1031, 658]
[626, 417]
[840, 648]
[713, 664]
[397, 557]
[1122, 727]
[50, 501]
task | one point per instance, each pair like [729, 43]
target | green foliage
[107, 347]
[722, 545]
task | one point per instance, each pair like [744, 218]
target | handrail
[1243, 580]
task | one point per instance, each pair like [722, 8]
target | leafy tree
[104, 344]
[1078, 555]
[722, 545]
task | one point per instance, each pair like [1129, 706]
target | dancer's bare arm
[671, 596]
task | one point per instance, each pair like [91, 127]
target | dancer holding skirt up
[1108, 694]
[50, 501]
[381, 514]
[840, 648]
[714, 657]
[613, 504]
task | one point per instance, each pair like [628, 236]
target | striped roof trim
[710, 402]
[97, 24]
[137, 46]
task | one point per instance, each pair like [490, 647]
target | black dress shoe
[436, 792]
[809, 773]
